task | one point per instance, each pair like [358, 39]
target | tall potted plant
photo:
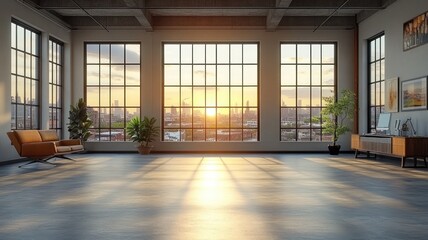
[79, 121]
[142, 131]
[336, 116]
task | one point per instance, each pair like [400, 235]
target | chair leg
[45, 161]
[30, 162]
[65, 157]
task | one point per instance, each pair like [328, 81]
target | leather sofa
[42, 145]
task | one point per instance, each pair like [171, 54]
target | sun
[210, 112]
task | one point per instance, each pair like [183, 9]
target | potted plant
[142, 131]
[336, 116]
[79, 121]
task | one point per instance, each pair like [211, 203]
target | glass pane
[250, 75]
[250, 96]
[104, 97]
[288, 53]
[172, 75]
[172, 96]
[288, 135]
[172, 53]
[27, 41]
[382, 70]
[132, 96]
[222, 53]
[211, 114]
[133, 75]
[92, 96]
[316, 74]
[171, 117]
[13, 35]
[211, 97]
[316, 135]
[132, 53]
[328, 74]
[303, 53]
[288, 75]
[198, 134]
[223, 96]
[92, 74]
[377, 48]
[211, 74]
[288, 96]
[132, 112]
[235, 134]
[382, 41]
[104, 75]
[372, 94]
[316, 53]
[236, 117]
[198, 74]
[303, 96]
[303, 135]
[377, 76]
[288, 118]
[117, 53]
[117, 118]
[198, 53]
[13, 89]
[117, 135]
[186, 117]
[21, 63]
[223, 135]
[211, 135]
[328, 53]
[236, 53]
[372, 51]
[20, 86]
[222, 117]
[327, 92]
[186, 96]
[117, 75]
[236, 96]
[211, 53]
[250, 135]
[303, 75]
[20, 38]
[236, 74]
[13, 61]
[250, 118]
[303, 117]
[92, 53]
[223, 75]
[28, 67]
[186, 53]
[186, 75]
[199, 117]
[372, 72]
[104, 53]
[186, 135]
[250, 53]
[382, 93]
[199, 96]
[316, 96]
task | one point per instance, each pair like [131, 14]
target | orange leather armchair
[42, 145]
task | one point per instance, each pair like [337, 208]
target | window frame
[379, 81]
[37, 77]
[59, 63]
[205, 107]
[310, 86]
[98, 128]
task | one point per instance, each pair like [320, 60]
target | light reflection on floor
[214, 196]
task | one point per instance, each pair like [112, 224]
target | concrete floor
[214, 196]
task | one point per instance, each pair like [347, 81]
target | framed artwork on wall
[414, 94]
[391, 95]
[415, 31]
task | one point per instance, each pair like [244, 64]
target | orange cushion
[28, 136]
[48, 135]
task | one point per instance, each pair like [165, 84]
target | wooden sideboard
[396, 146]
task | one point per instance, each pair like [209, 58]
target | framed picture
[414, 94]
[391, 95]
[415, 31]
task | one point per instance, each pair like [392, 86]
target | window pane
[92, 53]
[171, 53]
[303, 53]
[288, 53]
[288, 75]
[113, 89]
[211, 79]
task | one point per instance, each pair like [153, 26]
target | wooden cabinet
[397, 146]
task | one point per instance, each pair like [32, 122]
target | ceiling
[151, 15]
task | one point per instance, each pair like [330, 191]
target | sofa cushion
[76, 147]
[61, 149]
[28, 136]
[48, 135]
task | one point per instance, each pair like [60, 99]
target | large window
[112, 88]
[376, 53]
[55, 85]
[25, 55]
[211, 92]
[308, 73]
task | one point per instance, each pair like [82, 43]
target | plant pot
[334, 149]
[144, 149]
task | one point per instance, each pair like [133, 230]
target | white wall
[398, 63]
[269, 80]
[9, 9]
